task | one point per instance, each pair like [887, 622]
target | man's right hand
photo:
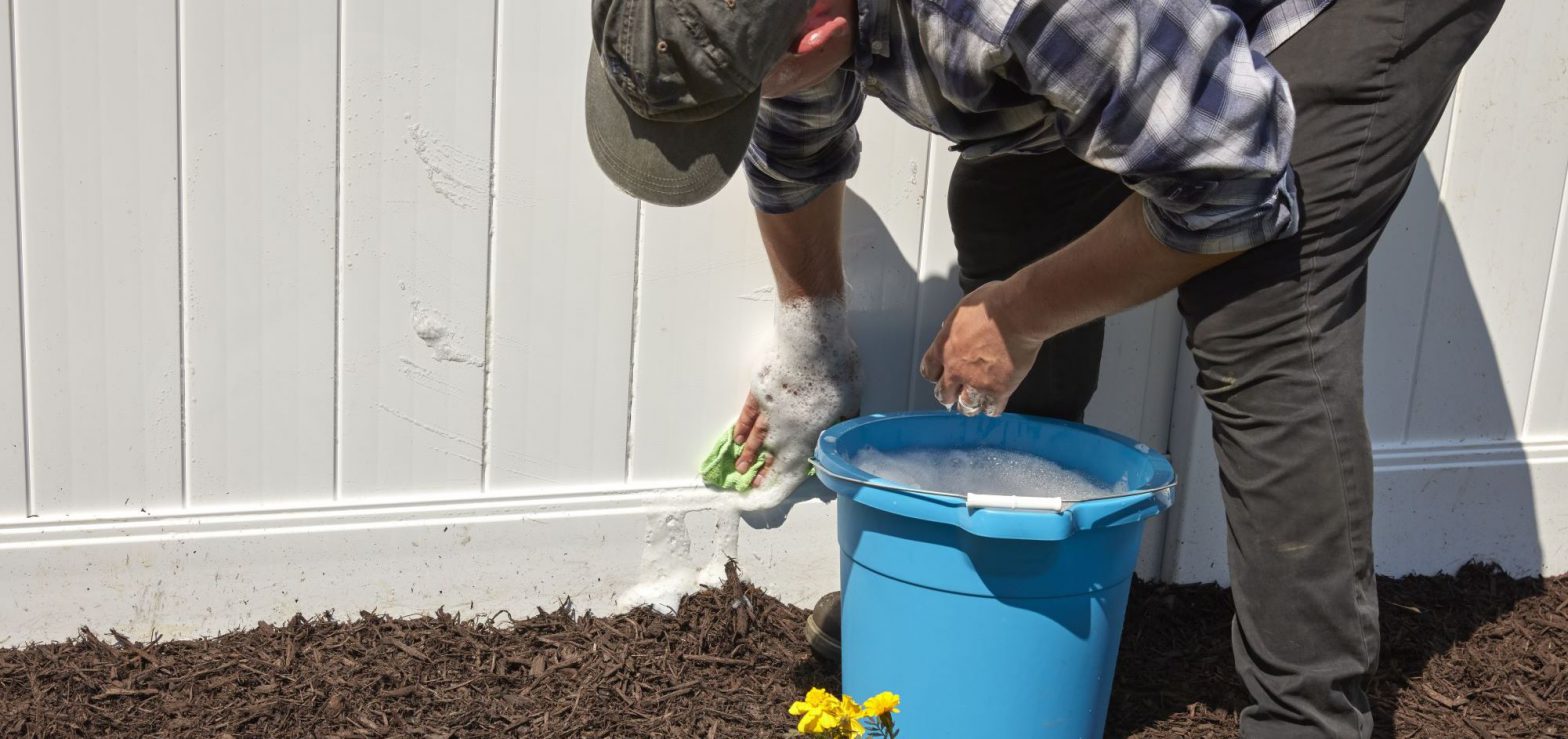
[808, 382]
[751, 429]
[803, 251]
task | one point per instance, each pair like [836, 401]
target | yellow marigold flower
[819, 713]
[882, 704]
[819, 697]
[849, 708]
[850, 711]
[817, 722]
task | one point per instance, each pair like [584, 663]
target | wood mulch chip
[1477, 654]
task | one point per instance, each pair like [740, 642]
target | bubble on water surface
[982, 470]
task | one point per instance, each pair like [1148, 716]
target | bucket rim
[830, 460]
[856, 484]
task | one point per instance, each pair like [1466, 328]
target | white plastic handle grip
[1013, 502]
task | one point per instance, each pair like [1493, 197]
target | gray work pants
[1277, 335]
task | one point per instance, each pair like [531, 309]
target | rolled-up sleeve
[804, 143]
[1171, 96]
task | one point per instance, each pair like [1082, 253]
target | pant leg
[1009, 211]
[1277, 334]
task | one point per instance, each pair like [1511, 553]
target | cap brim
[672, 164]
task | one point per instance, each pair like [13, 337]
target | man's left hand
[980, 356]
[990, 341]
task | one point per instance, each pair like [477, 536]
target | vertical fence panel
[13, 437]
[884, 218]
[1502, 198]
[259, 150]
[565, 255]
[1547, 416]
[1401, 270]
[937, 270]
[704, 298]
[416, 108]
[707, 298]
[100, 241]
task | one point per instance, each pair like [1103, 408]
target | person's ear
[825, 41]
[819, 35]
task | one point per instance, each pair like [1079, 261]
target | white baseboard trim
[193, 573]
[186, 574]
[1438, 505]
[1445, 455]
[380, 513]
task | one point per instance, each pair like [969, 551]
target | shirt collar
[873, 30]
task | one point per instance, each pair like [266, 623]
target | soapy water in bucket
[982, 470]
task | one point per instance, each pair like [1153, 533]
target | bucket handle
[975, 501]
[1013, 502]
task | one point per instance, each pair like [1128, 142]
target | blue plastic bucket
[988, 622]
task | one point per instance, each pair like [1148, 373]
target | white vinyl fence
[323, 304]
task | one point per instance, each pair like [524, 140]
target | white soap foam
[809, 381]
[982, 470]
[668, 571]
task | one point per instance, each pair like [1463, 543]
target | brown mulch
[1473, 655]
[1476, 654]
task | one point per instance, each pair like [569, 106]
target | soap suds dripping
[462, 179]
[809, 381]
[435, 329]
[667, 571]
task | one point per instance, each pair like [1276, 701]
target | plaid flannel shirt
[1175, 96]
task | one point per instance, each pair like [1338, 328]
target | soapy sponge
[718, 468]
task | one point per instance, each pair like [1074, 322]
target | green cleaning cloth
[718, 469]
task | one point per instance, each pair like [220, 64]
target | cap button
[878, 47]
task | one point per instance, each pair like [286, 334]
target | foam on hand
[982, 470]
[809, 381]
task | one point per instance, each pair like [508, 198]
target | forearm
[803, 247]
[1115, 266]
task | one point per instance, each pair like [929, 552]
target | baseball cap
[674, 87]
